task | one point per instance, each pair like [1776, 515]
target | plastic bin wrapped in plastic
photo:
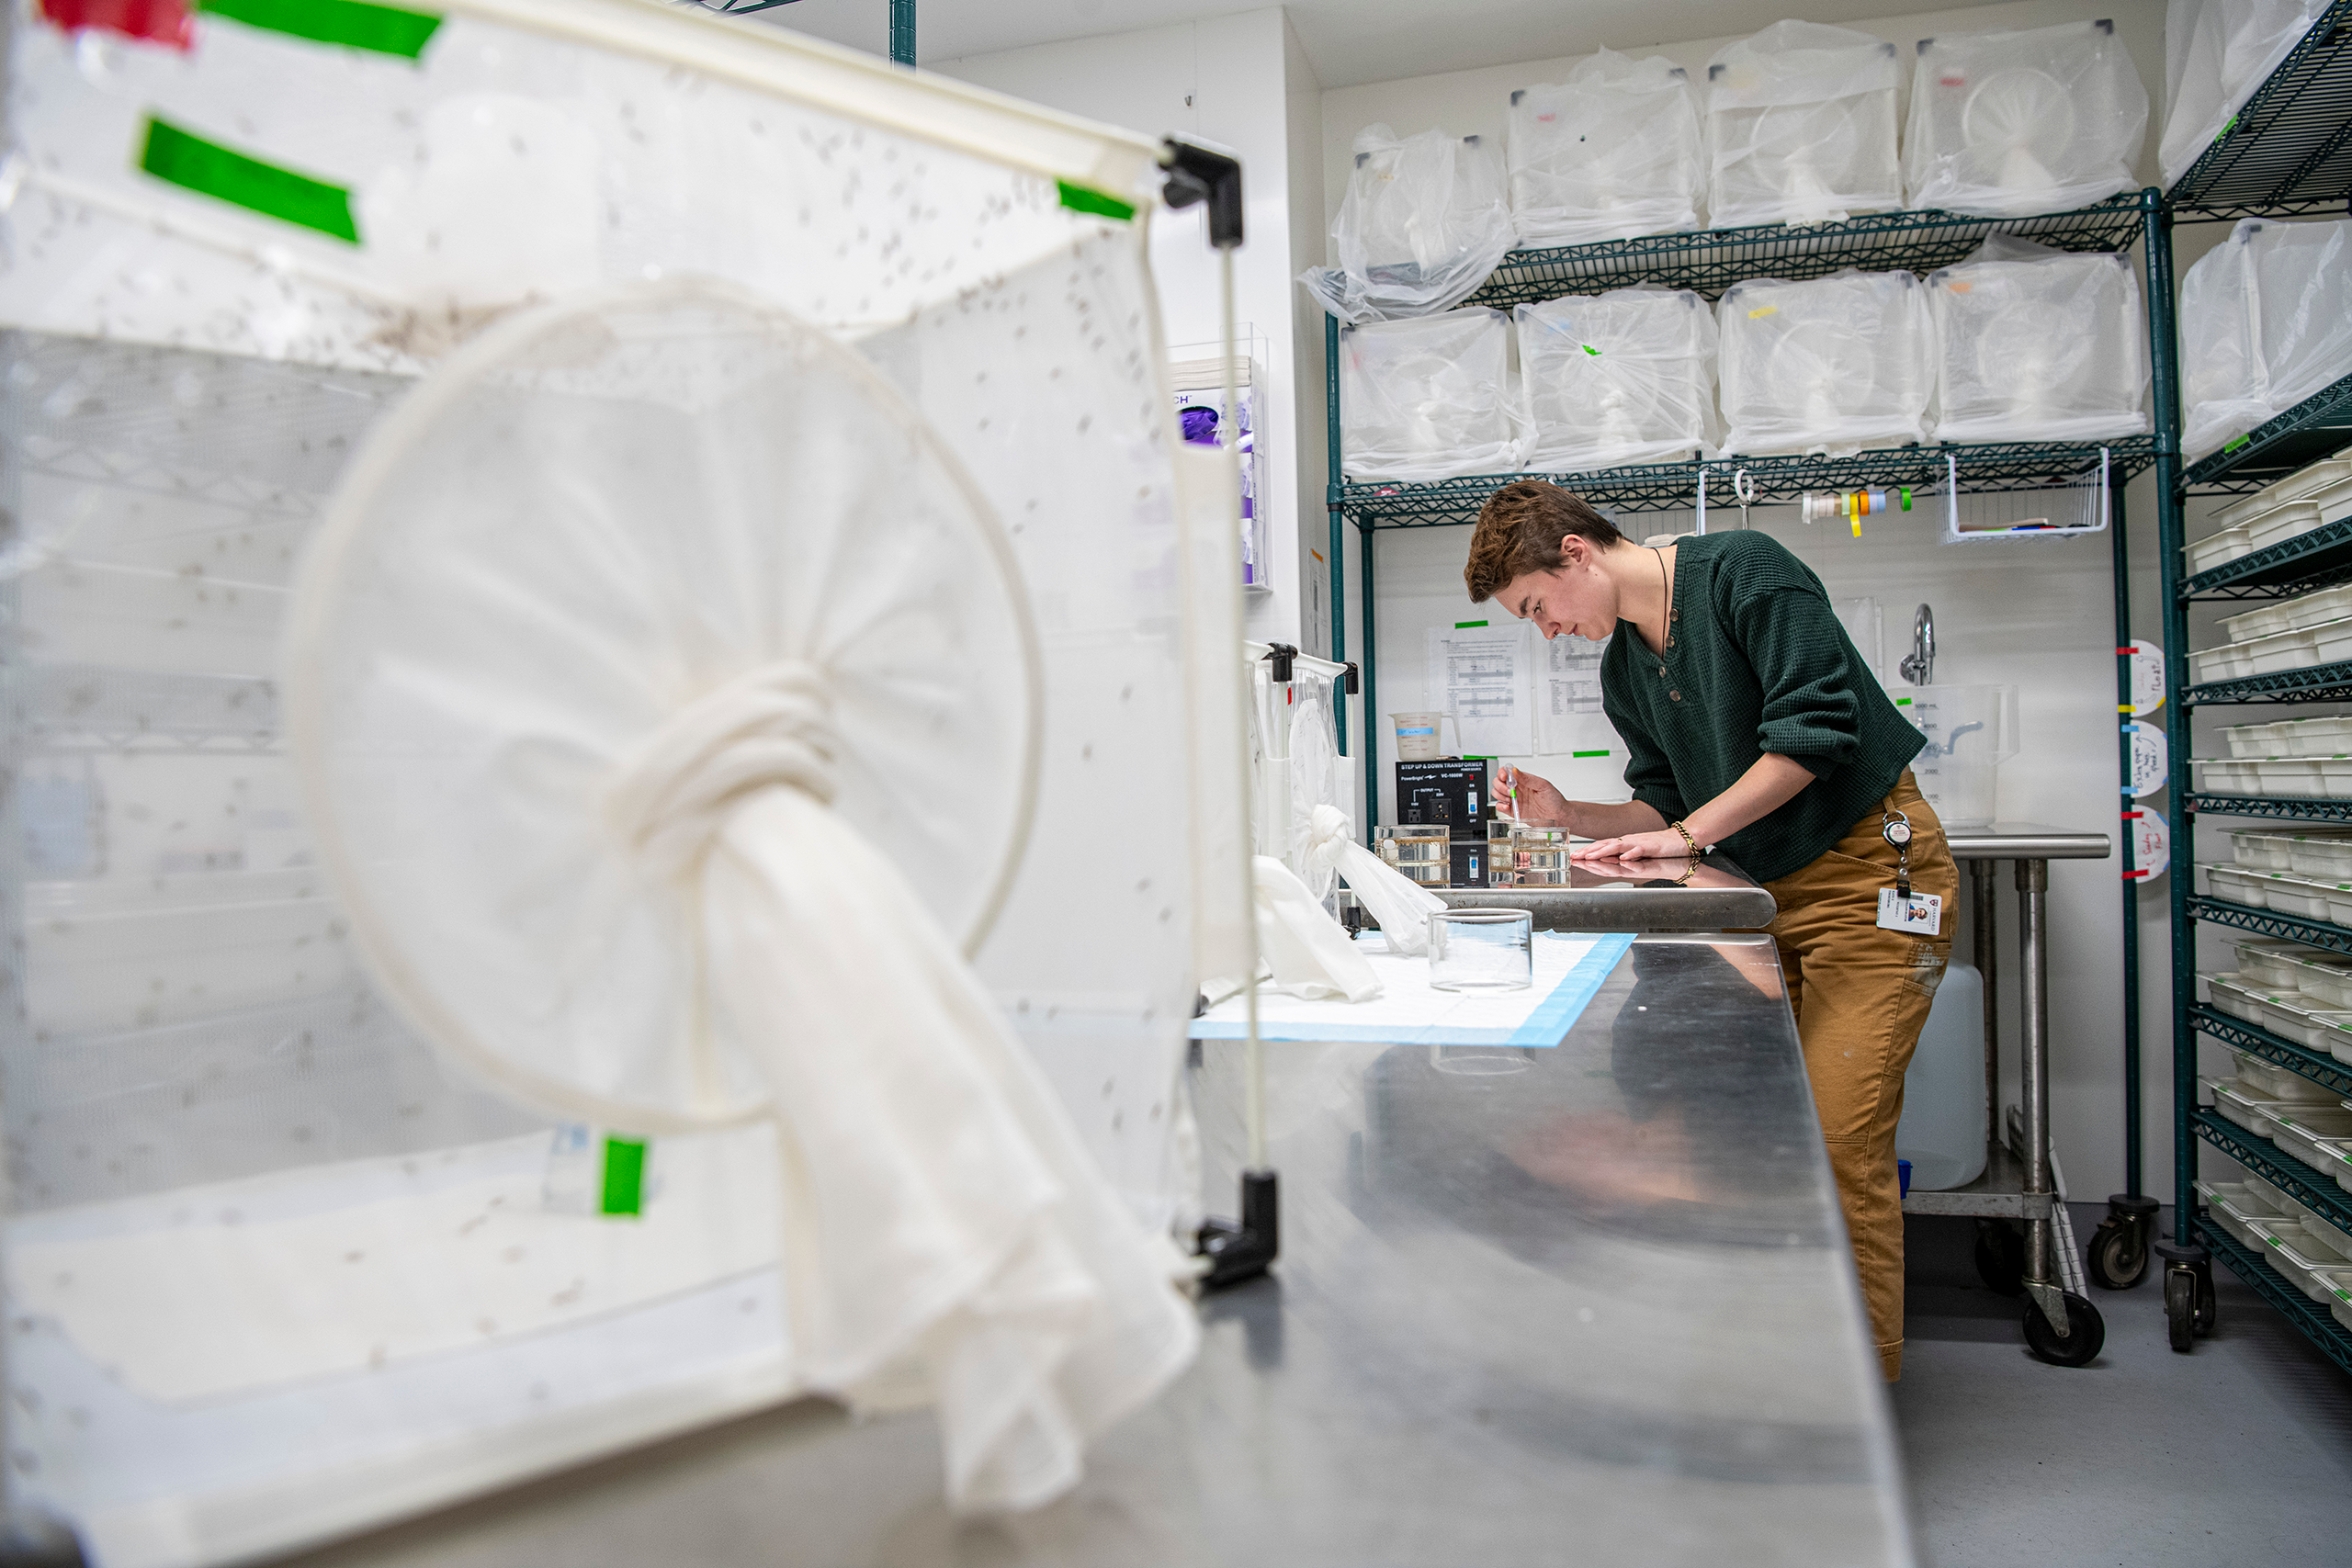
[1831, 365]
[1625, 377]
[2008, 124]
[1425, 219]
[2038, 344]
[1801, 127]
[2266, 320]
[1612, 152]
[1428, 399]
[2216, 53]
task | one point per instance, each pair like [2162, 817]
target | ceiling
[1351, 42]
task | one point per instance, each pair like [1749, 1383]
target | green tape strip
[209, 169]
[2238, 443]
[1078, 198]
[1464, 626]
[1902, 702]
[1600, 753]
[355, 24]
[624, 1177]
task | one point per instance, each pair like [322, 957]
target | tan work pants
[1861, 995]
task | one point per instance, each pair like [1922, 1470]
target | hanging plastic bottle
[1852, 505]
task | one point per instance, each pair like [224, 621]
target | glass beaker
[1482, 950]
[1970, 731]
[1422, 852]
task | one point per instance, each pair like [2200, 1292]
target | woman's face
[1575, 597]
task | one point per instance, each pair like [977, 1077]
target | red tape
[168, 22]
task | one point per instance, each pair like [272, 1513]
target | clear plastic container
[1625, 377]
[1612, 152]
[1519, 856]
[1424, 220]
[1970, 730]
[2334, 1155]
[1481, 949]
[2282, 1083]
[2266, 320]
[2235, 1103]
[1420, 736]
[2038, 344]
[2013, 123]
[1801, 127]
[2298, 1128]
[1428, 399]
[1423, 853]
[1829, 364]
[2336, 1242]
[2263, 1197]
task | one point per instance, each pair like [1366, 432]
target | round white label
[2147, 844]
[2148, 676]
[2150, 760]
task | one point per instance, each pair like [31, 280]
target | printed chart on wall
[1568, 720]
[1481, 674]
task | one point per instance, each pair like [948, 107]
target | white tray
[2250, 1112]
[2216, 550]
[2298, 1129]
[2246, 887]
[2278, 522]
[2282, 1083]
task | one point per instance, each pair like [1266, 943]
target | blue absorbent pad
[1569, 968]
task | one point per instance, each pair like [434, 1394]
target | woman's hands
[1533, 800]
[1668, 845]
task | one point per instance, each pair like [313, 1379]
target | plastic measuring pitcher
[1970, 731]
[1420, 736]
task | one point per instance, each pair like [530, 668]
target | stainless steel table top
[1635, 896]
[2025, 841]
[1582, 1304]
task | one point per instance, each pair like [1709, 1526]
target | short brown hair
[1519, 530]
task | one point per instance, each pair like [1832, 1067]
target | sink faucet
[1919, 666]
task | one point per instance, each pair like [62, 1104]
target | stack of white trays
[2311, 1021]
[2307, 498]
[2293, 634]
[2298, 758]
[2313, 1254]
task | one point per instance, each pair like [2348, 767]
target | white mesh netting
[1425, 219]
[1625, 377]
[1830, 365]
[2035, 344]
[1801, 127]
[1428, 399]
[193, 358]
[2266, 320]
[1611, 151]
[2008, 124]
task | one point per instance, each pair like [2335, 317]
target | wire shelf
[1712, 260]
[2279, 808]
[2315, 1189]
[2315, 428]
[2317, 560]
[2289, 153]
[2317, 1322]
[2317, 683]
[2237, 1033]
[2270, 922]
[1672, 487]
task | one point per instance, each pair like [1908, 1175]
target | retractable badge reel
[1899, 908]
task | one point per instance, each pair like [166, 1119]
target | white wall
[2038, 615]
[1244, 82]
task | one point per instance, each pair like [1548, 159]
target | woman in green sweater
[1750, 723]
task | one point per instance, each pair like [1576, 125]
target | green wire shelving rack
[2287, 155]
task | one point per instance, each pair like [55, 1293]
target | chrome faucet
[1919, 666]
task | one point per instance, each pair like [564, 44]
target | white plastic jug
[1970, 731]
[1942, 1130]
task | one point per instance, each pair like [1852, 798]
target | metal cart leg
[2061, 1326]
[1980, 887]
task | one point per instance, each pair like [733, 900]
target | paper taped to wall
[1483, 675]
[1568, 717]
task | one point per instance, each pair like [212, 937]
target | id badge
[1922, 913]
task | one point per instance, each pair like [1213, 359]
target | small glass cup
[1425, 854]
[1482, 950]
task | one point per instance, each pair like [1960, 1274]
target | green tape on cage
[624, 1177]
[1464, 626]
[209, 169]
[1078, 198]
[2238, 443]
[1601, 753]
[354, 24]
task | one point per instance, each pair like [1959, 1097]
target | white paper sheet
[1569, 968]
[1568, 720]
[1483, 676]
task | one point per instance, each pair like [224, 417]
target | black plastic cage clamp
[1239, 1250]
[1199, 171]
[1282, 662]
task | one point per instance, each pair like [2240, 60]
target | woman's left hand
[1665, 844]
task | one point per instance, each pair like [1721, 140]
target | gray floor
[2239, 1453]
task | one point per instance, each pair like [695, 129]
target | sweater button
[1676, 696]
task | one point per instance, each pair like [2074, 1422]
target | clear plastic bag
[1831, 365]
[1428, 399]
[2216, 53]
[1425, 219]
[2266, 320]
[1801, 127]
[2008, 124]
[1612, 152]
[2038, 344]
[1625, 377]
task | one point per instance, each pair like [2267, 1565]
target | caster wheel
[2180, 1307]
[2085, 1334]
[2207, 1311]
[2000, 1259]
[2117, 1255]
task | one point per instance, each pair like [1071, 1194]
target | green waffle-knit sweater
[1755, 661]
